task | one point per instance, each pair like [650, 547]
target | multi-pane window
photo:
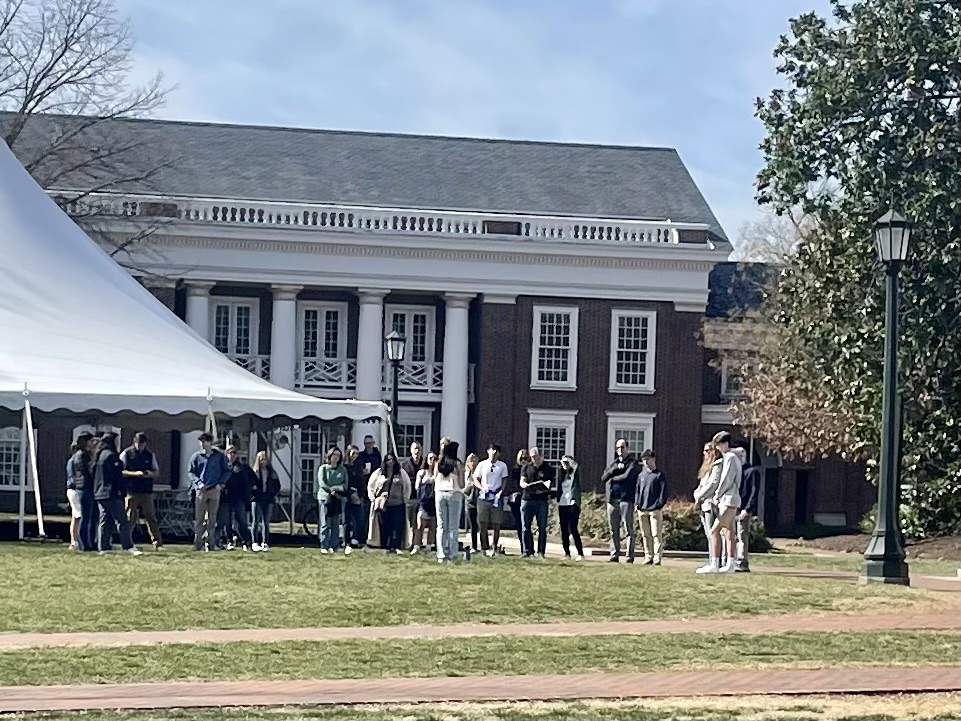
[311, 457]
[234, 327]
[10, 458]
[554, 348]
[632, 350]
[732, 378]
[407, 433]
[416, 325]
[635, 428]
[321, 333]
[552, 432]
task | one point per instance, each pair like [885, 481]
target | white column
[370, 354]
[453, 410]
[198, 318]
[198, 307]
[283, 336]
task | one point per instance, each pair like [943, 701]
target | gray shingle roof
[392, 170]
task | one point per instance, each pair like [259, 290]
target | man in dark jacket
[651, 497]
[411, 465]
[749, 489]
[109, 490]
[140, 470]
[236, 498]
[620, 482]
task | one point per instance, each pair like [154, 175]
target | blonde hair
[708, 460]
[262, 459]
[522, 453]
[470, 463]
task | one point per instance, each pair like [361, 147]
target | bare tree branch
[64, 99]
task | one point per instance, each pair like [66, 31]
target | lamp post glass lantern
[884, 557]
[396, 350]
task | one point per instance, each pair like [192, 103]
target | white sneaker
[729, 567]
[134, 551]
[348, 550]
[489, 554]
[326, 551]
[229, 546]
[255, 547]
[244, 548]
[578, 558]
[264, 547]
[415, 550]
[709, 568]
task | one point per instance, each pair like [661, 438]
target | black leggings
[472, 526]
[570, 518]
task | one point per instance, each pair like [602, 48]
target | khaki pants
[205, 517]
[143, 502]
[651, 524]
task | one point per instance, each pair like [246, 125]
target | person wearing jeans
[109, 491]
[331, 494]
[354, 523]
[537, 486]
[651, 497]
[265, 490]
[620, 482]
[208, 471]
[449, 499]
[236, 496]
[569, 506]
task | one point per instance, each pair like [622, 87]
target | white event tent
[80, 337]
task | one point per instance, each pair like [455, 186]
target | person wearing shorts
[425, 534]
[490, 477]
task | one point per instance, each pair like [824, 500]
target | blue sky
[678, 73]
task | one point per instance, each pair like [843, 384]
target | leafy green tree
[867, 117]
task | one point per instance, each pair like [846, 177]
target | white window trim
[648, 386]
[235, 301]
[321, 306]
[29, 486]
[726, 364]
[630, 421]
[431, 313]
[571, 383]
[416, 417]
[551, 418]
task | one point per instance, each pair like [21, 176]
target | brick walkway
[753, 625]
[480, 688]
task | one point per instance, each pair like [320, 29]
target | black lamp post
[884, 557]
[396, 349]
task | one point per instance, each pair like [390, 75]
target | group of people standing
[108, 491]
[371, 500]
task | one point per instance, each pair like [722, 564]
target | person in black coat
[239, 490]
[109, 490]
[620, 483]
[748, 490]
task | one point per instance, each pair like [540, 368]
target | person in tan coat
[388, 489]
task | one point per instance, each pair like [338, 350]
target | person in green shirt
[331, 493]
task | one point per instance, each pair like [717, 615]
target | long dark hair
[330, 456]
[390, 458]
[109, 442]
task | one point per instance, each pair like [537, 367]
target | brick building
[550, 294]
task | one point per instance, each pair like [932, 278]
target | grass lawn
[848, 562]
[466, 657]
[180, 589]
[751, 708]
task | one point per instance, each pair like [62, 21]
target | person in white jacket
[708, 477]
[725, 499]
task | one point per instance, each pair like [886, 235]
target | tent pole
[23, 473]
[32, 443]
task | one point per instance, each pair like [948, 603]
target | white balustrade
[381, 220]
[259, 365]
[341, 375]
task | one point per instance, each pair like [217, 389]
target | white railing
[380, 220]
[319, 374]
[259, 365]
[341, 375]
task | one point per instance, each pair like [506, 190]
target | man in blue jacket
[651, 497]
[208, 471]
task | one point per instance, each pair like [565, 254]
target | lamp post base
[884, 562]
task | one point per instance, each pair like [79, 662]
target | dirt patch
[947, 548]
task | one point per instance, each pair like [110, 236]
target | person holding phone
[537, 487]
